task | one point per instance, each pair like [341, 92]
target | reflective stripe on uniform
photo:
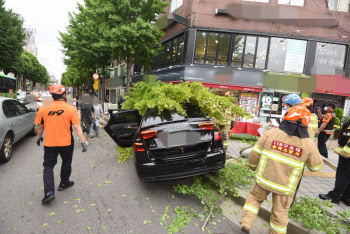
[251, 208]
[262, 164]
[257, 149]
[338, 149]
[273, 185]
[346, 149]
[283, 159]
[294, 175]
[313, 125]
[316, 168]
[277, 228]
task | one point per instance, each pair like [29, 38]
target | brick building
[259, 50]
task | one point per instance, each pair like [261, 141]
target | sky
[47, 17]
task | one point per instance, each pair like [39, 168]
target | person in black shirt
[87, 115]
[120, 102]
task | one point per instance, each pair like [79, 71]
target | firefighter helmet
[292, 99]
[308, 101]
[299, 114]
[57, 89]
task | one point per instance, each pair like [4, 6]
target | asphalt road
[106, 197]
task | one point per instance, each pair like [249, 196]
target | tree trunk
[103, 85]
[92, 83]
[128, 71]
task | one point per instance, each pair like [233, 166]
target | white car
[16, 121]
[22, 97]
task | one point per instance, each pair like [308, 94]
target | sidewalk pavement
[310, 185]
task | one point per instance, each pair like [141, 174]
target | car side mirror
[32, 110]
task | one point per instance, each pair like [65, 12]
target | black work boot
[65, 186]
[48, 198]
[346, 201]
[329, 197]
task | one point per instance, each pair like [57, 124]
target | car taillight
[217, 136]
[38, 100]
[148, 134]
[207, 126]
[139, 147]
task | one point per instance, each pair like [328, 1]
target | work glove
[84, 147]
[38, 141]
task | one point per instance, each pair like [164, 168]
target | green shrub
[337, 121]
[339, 112]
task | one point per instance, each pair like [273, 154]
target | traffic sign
[95, 76]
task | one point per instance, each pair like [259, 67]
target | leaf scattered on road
[59, 221]
[104, 227]
[109, 210]
[147, 198]
[147, 221]
[76, 199]
[53, 213]
[88, 228]
[30, 203]
[93, 204]
[123, 195]
[90, 183]
[98, 185]
[42, 187]
[65, 202]
[45, 224]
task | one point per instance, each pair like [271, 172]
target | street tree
[11, 39]
[126, 27]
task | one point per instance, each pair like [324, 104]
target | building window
[257, 1]
[287, 55]
[174, 47]
[224, 44]
[329, 59]
[180, 51]
[339, 5]
[292, 2]
[261, 52]
[212, 48]
[175, 4]
[237, 51]
[249, 51]
[213, 41]
[201, 46]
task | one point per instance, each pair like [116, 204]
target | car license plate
[179, 138]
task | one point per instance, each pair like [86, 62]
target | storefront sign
[347, 107]
[108, 106]
[266, 102]
[274, 107]
[249, 101]
[295, 56]
[329, 59]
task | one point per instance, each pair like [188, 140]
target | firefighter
[313, 125]
[57, 120]
[278, 159]
[341, 191]
[326, 128]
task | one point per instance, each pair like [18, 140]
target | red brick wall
[202, 14]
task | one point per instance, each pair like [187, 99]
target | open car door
[122, 126]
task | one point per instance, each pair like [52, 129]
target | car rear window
[151, 117]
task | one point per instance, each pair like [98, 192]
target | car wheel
[33, 131]
[6, 149]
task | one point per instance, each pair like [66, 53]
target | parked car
[168, 145]
[16, 121]
[35, 94]
[44, 98]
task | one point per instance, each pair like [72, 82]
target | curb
[330, 163]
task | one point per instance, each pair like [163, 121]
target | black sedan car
[168, 145]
